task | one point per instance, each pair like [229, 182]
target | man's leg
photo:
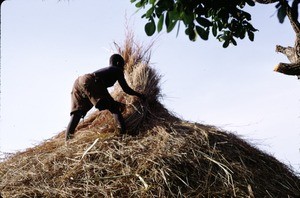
[75, 118]
[115, 108]
[120, 121]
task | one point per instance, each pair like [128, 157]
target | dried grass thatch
[164, 156]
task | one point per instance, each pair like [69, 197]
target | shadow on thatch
[163, 157]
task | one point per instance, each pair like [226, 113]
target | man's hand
[117, 107]
[121, 106]
[142, 97]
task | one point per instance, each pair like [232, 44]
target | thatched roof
[163, 156]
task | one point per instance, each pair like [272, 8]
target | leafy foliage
[281, 10]
[224, 19]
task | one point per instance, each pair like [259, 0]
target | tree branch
[288, 69]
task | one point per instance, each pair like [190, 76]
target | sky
[47, 44]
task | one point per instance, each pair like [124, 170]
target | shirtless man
[91, 90]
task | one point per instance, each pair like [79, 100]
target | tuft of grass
[162, 155]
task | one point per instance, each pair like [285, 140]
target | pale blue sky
[47, 44]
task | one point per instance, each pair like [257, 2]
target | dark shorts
[86, 93]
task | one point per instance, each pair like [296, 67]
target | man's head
[117, 60]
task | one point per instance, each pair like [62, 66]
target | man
[91, 90]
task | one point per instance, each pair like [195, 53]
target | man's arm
[126, 88]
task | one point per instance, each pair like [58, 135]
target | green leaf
[233, 41]
[173, 15]
[167, 20]
[250, 2]
[203, 21]
[251, 35]
[281, 14]
[149, 12]
[152, 2]
[202, 33]
[139, 4]
[211, 12]
[187, 18]
[226, 43]
[160, 23]
[250, 27]
[171, 26]
[170, 23]
[220, 25]
[150, 28]
[192, 35]
[242, 33]
[214, 29]
[247, 16]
